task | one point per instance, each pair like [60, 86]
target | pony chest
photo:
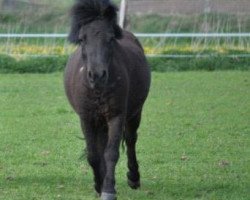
[99, 104]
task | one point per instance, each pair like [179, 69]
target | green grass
[193, 141]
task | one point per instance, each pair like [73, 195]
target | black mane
[86, 11]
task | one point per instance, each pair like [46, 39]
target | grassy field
[193, 144]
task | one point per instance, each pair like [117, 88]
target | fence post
[122, 14]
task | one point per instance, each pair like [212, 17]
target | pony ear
[74, 33]
[118, 32]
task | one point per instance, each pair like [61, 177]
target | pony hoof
[134, 185]
[108, 196]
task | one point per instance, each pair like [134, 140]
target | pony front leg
[111, 156]
[93, 156]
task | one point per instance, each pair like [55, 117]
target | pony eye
[111, 39]
[83, 39]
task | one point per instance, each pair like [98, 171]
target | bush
[199, 63]
[9, 64]
[6, 63]
[32, 64]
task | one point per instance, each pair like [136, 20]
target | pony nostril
[97, 77]
[90, 74]
[104, 74]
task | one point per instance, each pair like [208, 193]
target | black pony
[107, 80]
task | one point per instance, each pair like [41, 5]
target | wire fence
[195, 28]
[139, 35]
[157, 40]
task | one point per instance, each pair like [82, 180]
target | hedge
[51, 64]
[9, 64]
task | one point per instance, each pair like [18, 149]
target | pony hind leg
[133, 174]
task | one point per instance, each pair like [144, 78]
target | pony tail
[118, 32]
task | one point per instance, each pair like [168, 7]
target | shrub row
[199, 63]
[9, 64]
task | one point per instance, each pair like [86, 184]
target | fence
[147, 36]
[139, 35]
[167, 43]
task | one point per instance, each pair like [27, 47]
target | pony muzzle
[97, 78]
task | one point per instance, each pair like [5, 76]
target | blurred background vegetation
[145, 16]
[53, 16]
